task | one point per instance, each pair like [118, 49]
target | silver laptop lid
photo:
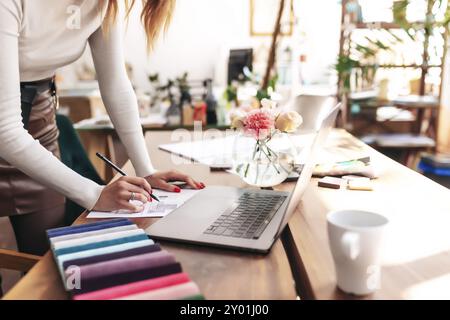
[308, 168]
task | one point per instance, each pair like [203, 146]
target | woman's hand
[117, 195]
[160, 180]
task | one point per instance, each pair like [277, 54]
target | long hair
[155, 15]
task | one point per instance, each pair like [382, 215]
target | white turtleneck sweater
[36, 38]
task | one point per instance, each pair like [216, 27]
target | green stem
[270, 160]
[273, 152]
[246, 170]
[255, 150]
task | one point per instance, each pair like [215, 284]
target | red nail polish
[177, 190]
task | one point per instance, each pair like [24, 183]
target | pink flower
[259, 123]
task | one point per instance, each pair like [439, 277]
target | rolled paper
[135, 287]
[92, 233]
[100, 251]
[96, 238]
[121, 271]
[170, 293]
[111, 256]
[87, 227]
[100, 244]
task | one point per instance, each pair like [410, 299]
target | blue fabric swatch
[112, 256]
[87, 227]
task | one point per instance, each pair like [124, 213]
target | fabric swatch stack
[116, 260]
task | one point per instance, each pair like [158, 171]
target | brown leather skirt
[19, 194]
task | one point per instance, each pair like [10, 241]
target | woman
[36, 38]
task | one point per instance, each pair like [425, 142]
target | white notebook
[154, 209]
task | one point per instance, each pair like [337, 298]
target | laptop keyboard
[249, 218]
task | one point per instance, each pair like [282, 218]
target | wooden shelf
[377, 25]
[427, 117]
[406, 102]
[382, 25]
[406, 66]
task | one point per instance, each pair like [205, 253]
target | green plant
[413, 28]
[154, 78]
[230, 93]
[184, 88]
[360, 60]
[271, 87]
[344, 67]
[155, 93]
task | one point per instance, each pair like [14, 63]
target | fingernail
[177, 189]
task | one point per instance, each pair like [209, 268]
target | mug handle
[350, 244]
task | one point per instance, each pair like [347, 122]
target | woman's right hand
[117, 195]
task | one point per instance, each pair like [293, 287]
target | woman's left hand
[160, 180]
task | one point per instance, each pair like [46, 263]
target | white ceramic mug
[355, 242]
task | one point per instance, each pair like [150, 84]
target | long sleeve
[118, 95]
[16, 144]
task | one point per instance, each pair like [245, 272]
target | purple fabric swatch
[132, 275]
[112, 256]
[143, 261]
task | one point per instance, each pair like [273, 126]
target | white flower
[268, 104]
[237, 122]
[288, 121]
[237, 113]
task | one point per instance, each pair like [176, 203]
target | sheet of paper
[218, 152]
[169, 202]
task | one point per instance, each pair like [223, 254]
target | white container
[355, 239]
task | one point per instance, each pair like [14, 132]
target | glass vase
[263, 162]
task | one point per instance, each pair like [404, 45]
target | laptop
[239, 218]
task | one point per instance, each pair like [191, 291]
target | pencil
[112, 165]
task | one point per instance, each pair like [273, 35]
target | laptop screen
[308, 168]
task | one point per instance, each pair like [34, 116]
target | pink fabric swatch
[135, 287]
[179, 291]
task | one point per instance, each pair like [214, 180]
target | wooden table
[416, 262]
[221, 274]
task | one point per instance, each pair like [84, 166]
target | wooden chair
[13, 260]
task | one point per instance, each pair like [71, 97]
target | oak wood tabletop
[220, 273]
[416, 258]
[416, 251]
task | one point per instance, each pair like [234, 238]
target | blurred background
[386, 61]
